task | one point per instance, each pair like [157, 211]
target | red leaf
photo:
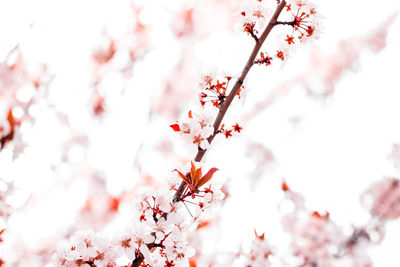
[193, 262]
[11, 119]
[175, 127]
[207, 177]
[261, 237]
[114, 204]
[285, 187]
[316, 214]
[203, 224]
[183, 176]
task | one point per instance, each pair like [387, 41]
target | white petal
[148, 238]
[145, 251]
[204, 144]
[130, 253]
[190, 252]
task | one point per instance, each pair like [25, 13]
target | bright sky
[338, 148]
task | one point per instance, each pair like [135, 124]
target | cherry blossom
[253, 18]
[197, 127]
[303, 20]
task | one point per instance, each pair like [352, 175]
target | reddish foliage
[261, 237]
[193, 262]
[203, 224]
[13, 123]
[98, 105]
[1, 232]
[114, 203]
[284, 186]
[194, 179]
[318, 215]
[175, 127]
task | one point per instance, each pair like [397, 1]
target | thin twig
[252, 34]
[290, 23]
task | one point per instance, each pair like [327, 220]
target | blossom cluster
[100, 207]
[19, 84]
[383, 199]
[157, 233]
[12, 75]
[314, 238]
[317, 240]
[259, 253]
[213, 90]
[198, 125]
[253, 17]
[301, 16]
[303, 20]
[227, 132]
[86, 248]
[116, 56]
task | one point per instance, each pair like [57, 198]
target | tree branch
[239, 82]
[225, 105]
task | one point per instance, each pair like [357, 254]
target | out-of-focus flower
[383, 199]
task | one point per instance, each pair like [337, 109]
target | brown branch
[225, 105]
[252, 34]
[139, 259]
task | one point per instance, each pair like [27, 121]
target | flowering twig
[179, 195]
[239, 82]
